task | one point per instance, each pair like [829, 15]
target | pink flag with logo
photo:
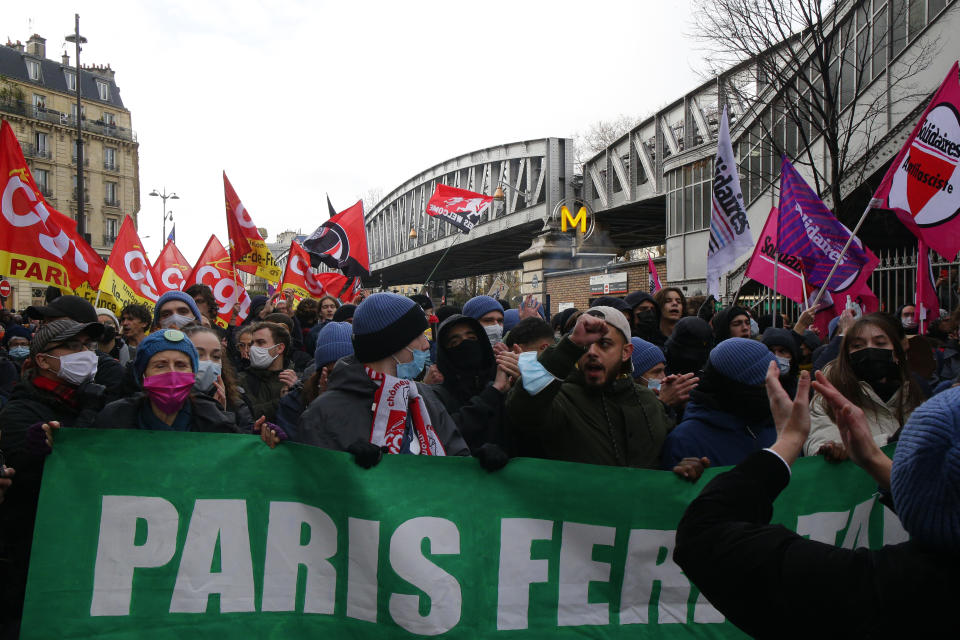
[790, 282]
[923, 184]
[654, 276]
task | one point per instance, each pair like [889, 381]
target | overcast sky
[295, 99]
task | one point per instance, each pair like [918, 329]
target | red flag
[247, 249]
[128, 276]
[923, 184]
[37, 242]
[215, 270]
[300, 278]
[341, 243]
[927, 304]
[459, 207]
[171, 269]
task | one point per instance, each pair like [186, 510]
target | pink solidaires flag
[654, 276]
[923, 184]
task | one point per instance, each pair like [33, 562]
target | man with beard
[579, 399]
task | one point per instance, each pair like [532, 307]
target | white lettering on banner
[172, 278]
[823, 526]
[311, 283]
[517, 570]
[243, 217]
[214, 522]
[364, 551]
[118, 554]
[58, 245]
[285, 554]
[578, 570]
[148, 288]
[443, 590]
[893, 531]
[642, 570]
[858, 531]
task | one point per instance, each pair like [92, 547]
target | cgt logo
[582, 221]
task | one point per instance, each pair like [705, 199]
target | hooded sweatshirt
[649, 331]
[467, 390]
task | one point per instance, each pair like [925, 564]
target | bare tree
[371, 198]
[820, 64]
[598, 136]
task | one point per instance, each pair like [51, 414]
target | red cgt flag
[247, 249]
[215, 270]
[923, 183]
[300, 278]
[171, 269]
[37, 242]
[129, 276]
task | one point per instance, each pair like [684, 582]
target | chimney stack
[66, 59]
[37, 46]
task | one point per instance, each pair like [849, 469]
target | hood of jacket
[722, 320]
[349, 376]
[465, 383]
[699, 408]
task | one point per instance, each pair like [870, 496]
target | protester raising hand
[529, 308]
[854, 429]
[792, 417]
[588, 330]
[675, 390]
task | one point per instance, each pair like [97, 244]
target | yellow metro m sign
[580, 218]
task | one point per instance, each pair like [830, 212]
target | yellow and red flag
[215, 270]
[128, 277]
[171, 269]
[37, 242]
[300, 278]
[248, 250]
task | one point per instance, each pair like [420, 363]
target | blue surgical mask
[652, 383]
[783, 363]
[19, 353]
[410, 370]
[207, 373]
[533, 375]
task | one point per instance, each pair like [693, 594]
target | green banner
[168, 535]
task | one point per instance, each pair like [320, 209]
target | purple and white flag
[730, 233]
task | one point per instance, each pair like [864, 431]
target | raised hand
[676, 389]
[529, 308]
[589, 329]
[792, 417]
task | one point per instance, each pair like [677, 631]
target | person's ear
[627, 351]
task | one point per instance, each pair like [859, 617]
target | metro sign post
[575, 215]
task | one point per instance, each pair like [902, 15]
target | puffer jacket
[619, 424]
[881, 416]
[340, 416]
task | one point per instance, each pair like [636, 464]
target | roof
[13, 64]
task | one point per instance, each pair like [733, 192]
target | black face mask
[645, 321]
[109, 333]
[467, 356]
[873, 365]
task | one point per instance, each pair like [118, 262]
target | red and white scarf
[394, 402]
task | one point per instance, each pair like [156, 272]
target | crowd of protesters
[647, 381]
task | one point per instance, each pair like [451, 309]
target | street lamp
[77, 39]
[165, 196]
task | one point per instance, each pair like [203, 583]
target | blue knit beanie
[646, 356]
[175, 295]
[385, 323]
[479, 306]
[510, 319]
[333, 343]
[163, 340]
[742, 360]
[926, 473]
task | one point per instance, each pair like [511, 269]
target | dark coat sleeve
[446, 428]
[480, 419]
[289, 412]
[111, 374]
[771, 582]
[829, 353]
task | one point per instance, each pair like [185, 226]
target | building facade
[38, 97]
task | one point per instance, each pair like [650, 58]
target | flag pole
[843, 252]
[426, 282]
[803, 283]
[97, 302]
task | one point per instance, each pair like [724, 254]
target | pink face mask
[169, 390]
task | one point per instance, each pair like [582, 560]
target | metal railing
[86, 159]
[45, 190]
[22, 108]
[109, 239]
[33, 151]
[110, 166]
[111, 202]
[86, 195]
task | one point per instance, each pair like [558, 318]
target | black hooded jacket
[722, 320]
[467, 392]
[651, 331]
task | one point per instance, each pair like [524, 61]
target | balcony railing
[19, 107]
[110, 166]
[109, 239]
[86, 160]
[45, 190]
[111, 202]
[86, 195]
[33, 151]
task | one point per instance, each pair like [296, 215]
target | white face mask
[260, 357]
[176, 321]
[77, 368]
[494, 333]
[652, 383]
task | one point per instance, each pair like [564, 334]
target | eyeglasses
[70, 345]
